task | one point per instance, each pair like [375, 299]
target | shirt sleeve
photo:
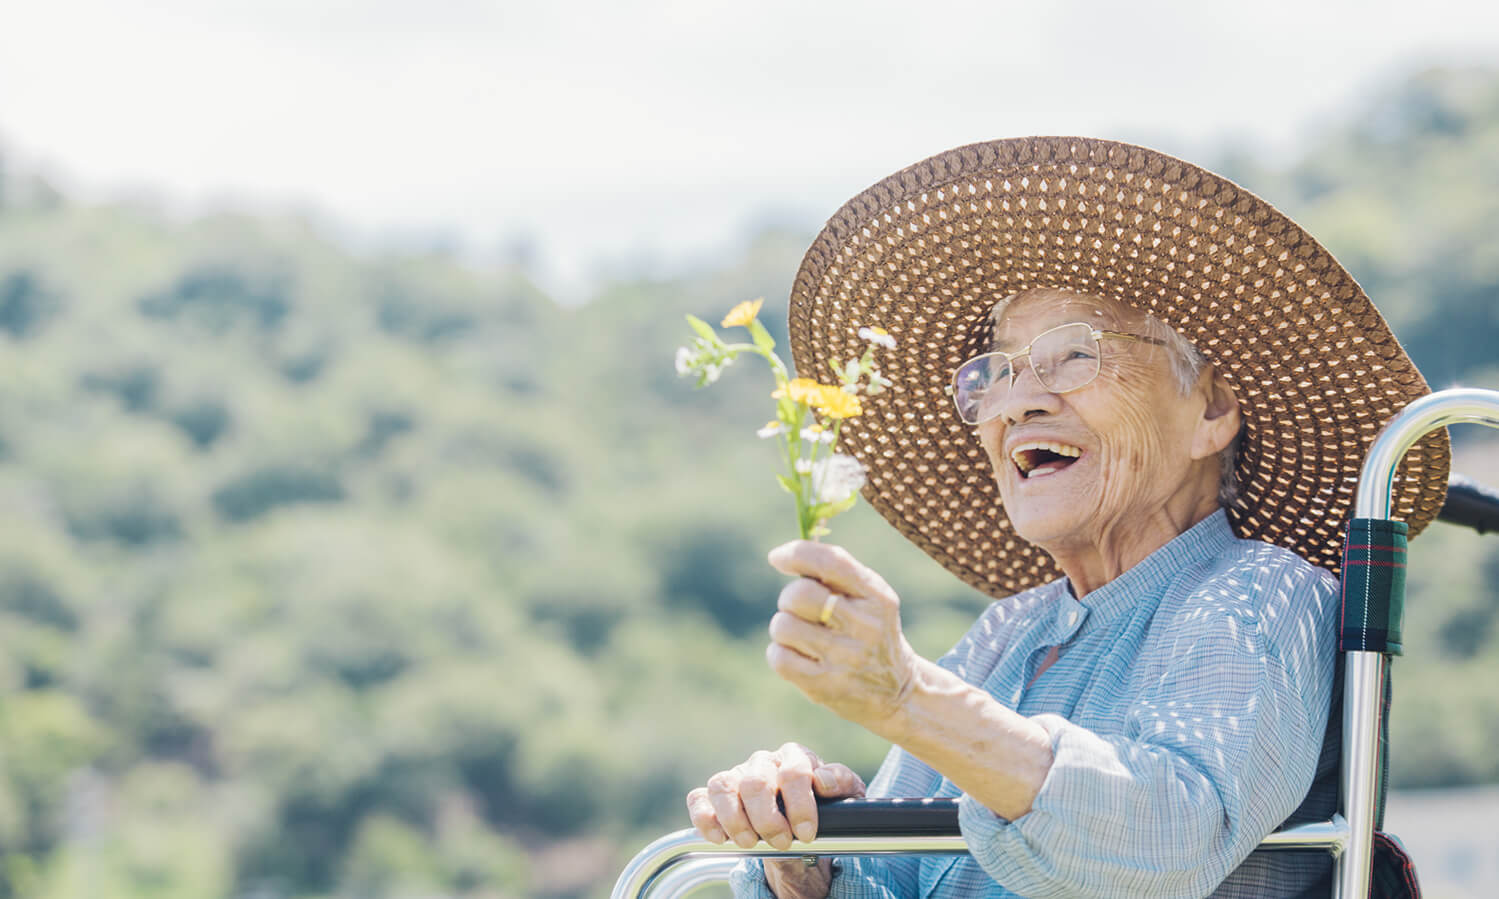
[1216, 750]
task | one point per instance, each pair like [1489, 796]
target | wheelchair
[682, 862]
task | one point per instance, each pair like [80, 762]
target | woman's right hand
[740, 804]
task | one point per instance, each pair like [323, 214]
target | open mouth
[1039, 458]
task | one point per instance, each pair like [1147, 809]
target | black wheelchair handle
[1470, 504]
[887, 817]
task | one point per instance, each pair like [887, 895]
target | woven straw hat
[926, 252]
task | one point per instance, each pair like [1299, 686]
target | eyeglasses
[1063, 359]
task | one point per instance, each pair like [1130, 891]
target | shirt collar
[1150, 577]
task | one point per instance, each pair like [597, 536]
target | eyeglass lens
[1064, 358]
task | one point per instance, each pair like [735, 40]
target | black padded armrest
[1471, 505]
[887, 817]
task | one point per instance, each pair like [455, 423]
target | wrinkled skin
[1147, 472]
[1149, 467]
[740, 805]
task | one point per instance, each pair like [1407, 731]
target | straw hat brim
[926, 252]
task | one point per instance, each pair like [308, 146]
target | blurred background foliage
[377, 574]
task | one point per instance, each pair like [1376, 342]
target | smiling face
[1103, 475]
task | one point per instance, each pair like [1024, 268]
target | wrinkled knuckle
[722, 782]
[796, 780]
[753, 787]
[795, 762]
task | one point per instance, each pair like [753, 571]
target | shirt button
[1071, 618]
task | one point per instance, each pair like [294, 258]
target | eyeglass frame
[1096, 334]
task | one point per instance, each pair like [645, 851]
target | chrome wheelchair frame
[681, 862]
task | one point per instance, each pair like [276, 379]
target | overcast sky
[657, 129]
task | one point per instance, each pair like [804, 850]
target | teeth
[1017, 454]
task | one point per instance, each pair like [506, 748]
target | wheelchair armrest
[679, 863]
[1470, 504]
[916, 818]
[887, 817]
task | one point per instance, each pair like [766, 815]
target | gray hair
[1186, 366]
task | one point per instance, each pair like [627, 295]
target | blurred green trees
[326, 573]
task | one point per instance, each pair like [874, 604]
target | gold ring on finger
[828, 605]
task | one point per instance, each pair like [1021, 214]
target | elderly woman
[1159, 401]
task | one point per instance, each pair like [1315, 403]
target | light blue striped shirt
[1186, 712]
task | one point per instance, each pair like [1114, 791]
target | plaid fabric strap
[1392, 875]
[1373, 586]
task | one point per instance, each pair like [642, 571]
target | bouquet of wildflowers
[808, 414]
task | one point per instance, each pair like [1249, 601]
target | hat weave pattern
[927, 251]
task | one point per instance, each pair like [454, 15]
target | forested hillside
[340, 573]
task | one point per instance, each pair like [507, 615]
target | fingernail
[826, 780]
[805, 831]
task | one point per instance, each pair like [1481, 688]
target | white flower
[771, 429]
[704, 359]
[878, 337]
[803, 466]
[835, 478]
[817, 434]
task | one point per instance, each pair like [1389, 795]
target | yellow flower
[742, 315]
[802, 390]
[828, 399]
[837, 402]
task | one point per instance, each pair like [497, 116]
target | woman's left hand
[846, 652]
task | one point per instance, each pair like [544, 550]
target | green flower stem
[708, 354]
[803, 480]
[776, 365]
